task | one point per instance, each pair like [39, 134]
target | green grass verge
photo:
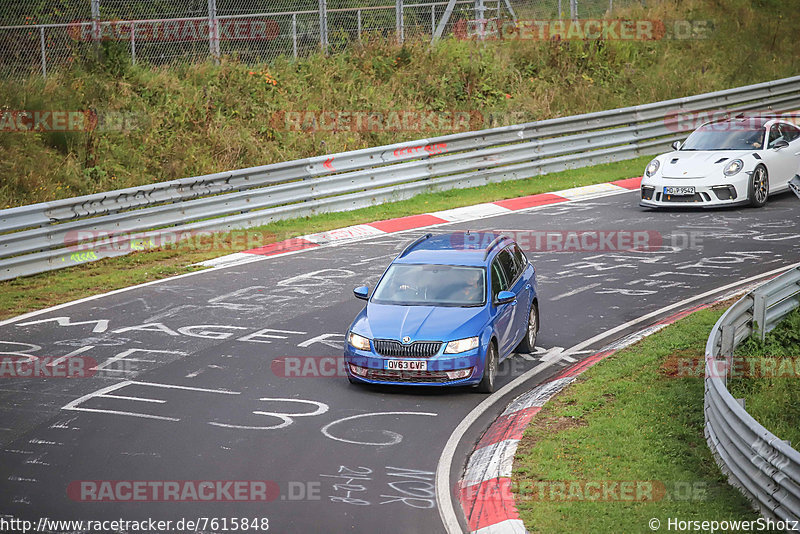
[47, 289]
[771, 394]
[628, 418]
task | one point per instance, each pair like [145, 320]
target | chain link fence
[42, 35]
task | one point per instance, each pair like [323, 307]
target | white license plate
[405, 365]
[679, 190]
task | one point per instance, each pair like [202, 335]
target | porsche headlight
[652, 167]
[358, 342]
[461, 345]
[733, 167]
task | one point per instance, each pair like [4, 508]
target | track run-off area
[197, 376]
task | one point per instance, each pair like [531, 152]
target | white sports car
[735, 161]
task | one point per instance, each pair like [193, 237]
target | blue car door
[517, 285]
[504, 313]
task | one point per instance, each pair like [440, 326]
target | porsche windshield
[432, 285]
[725, 136]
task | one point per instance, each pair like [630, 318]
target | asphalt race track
[191, 386]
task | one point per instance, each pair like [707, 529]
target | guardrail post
[760, 314]
[727, 339]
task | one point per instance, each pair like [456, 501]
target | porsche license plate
[679, 190]
[405, 365]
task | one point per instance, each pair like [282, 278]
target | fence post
[480, 15]
[95, 6]
[294, 34]
[323, 25]
[448, 11]
[133, 43]
[358, 16]
[44, 56]
[213, 30]
[398, 18]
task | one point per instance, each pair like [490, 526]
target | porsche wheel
[758, 190]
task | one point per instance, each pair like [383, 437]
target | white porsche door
[782, 163]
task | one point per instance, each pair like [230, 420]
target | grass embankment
[630, 418]
[47, 289]
[202, 118]
[769, 379]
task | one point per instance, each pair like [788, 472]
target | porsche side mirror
[780, 143]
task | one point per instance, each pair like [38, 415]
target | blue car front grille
[417, 349]
[414, 377]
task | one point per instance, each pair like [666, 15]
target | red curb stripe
[407, 223]
[629, 183]
[510, 426]
[530, 201]
[491, 502]
[290, 245]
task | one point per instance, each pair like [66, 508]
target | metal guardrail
[52, 235]
[765, 468]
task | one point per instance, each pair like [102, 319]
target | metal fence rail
[765, 468]
[52, 235]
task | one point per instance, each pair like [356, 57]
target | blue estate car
[446, 312]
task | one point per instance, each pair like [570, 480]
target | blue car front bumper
[370, 368]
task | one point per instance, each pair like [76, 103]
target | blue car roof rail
[497, 240]
[414, 244]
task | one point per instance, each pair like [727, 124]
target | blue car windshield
[432, 285]
[725, 136]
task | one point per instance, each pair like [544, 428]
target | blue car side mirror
[504, 297]
[361, 292]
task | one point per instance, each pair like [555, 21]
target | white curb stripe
[509, 526]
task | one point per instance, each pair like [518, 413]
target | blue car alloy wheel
[446, 312]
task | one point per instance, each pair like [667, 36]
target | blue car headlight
[462, 345]
[358, 342]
